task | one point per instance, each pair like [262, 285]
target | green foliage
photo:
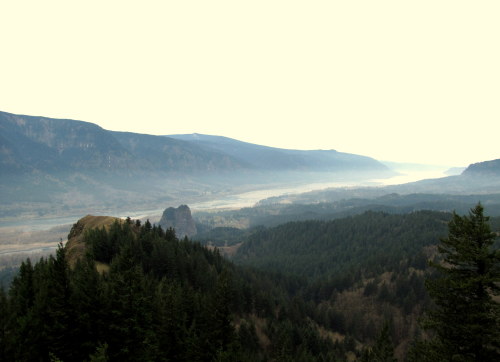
[4, 310]
[100, 355]
[383, 350]
[465, 320]
[345, 250]
[161, 299]
[356, 272]
[222, 236]
[333, 204]
[166, 299]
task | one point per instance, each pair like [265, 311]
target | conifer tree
[466, 318]
[222, 329]
[58, 310]
[87, 301]
[383, 350]
[129, 308]
[4, 319]
[24, 322]
[22, 291]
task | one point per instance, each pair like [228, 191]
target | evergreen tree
[87, 301]
[24, 320]
[129, 307]
[101, 354]
[223, 332]
[169, 320]
[466, 318]
[383, 350]
[22, 291]
[4, 318]
[58, 309]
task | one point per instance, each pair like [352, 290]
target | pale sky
[415, 81]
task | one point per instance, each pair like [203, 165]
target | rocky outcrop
[75, 247]
[180, 219]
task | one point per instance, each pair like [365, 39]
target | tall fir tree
[87, 302]
[465, 320]
[4, 320]
[24, 320]
[59, 316]
[223, 332]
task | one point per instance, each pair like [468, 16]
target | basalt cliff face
[180, 219]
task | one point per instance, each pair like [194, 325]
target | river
[236, 201]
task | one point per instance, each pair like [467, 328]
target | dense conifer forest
[159, 298]
[347, 289]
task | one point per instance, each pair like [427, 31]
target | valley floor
[29, 235]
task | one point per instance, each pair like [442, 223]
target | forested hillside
[339, 203]
[333, 290]
[367, 244]
[155, 298]
[361, 271]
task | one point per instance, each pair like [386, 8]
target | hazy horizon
[401, 82]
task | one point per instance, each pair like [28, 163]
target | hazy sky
[415, 81]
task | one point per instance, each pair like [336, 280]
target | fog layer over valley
[53, 167]
[291, 255]
[54, 171]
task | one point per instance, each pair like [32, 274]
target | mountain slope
[54, 166]
[30, 143]
[53, 145]
[39, 143]
[486, 168]
[152, 298]
[270, 158]
[172, 155]
[319, 249]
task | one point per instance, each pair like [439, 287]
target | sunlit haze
[399, 81]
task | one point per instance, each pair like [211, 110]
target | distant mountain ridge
[30, 143]
[270, 158]
[486, 168]
[172, 155]
[55, 166]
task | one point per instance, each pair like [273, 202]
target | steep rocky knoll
[179, 219]
[75, 247]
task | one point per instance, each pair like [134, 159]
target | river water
[23, 230]
[249, 199]
[244, 199]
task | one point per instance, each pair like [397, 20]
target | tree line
[158, 298]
